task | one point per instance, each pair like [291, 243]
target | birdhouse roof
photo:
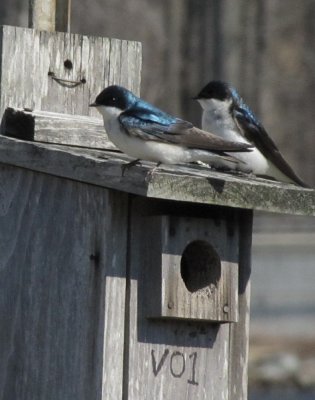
[102, 167]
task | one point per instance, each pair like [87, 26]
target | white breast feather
[214, 119]
[165, 153]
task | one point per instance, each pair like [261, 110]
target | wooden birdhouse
[114, 287]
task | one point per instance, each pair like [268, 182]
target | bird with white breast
[145, 132]
[226, 114]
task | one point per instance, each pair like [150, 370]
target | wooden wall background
[264, 47]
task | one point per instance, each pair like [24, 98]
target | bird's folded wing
[179, 132]
[255, 133]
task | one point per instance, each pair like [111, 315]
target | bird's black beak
[195, 98]
[93, 105]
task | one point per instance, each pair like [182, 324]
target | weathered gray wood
[176, 360]
[29, 69]
[50, 15]
[239, 333]
[42, 14]
[199, 282]
[181, 183]
[62, 296]
[43, 126]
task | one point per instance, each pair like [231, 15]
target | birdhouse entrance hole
[189, 264]
[200, 266]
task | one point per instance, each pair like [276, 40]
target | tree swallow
[144, 132]
[226, 114]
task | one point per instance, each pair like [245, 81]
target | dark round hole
[68, 64]
[200, 265]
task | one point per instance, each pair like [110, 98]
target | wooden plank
[180, 183]
[46, 127]
[191, 265]
[176, 360]
[50, 15]
[239, 332]
[62, 297]
[30, 69]
[42, 14]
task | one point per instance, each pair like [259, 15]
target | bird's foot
[151, 172]
[125, 167]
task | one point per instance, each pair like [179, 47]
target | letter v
[157, 368]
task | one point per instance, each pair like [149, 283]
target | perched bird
[144, 132]
[226, 114]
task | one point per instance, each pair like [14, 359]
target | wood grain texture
[62, 291]
[170, 359]
[47, 127]
[239, 333]
[181, 183]
[42, 14]
[191, 266]
[25, 81]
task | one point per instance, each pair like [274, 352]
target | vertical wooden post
[42, 14]
[51, 70]
[50, 15]
[239, 333]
